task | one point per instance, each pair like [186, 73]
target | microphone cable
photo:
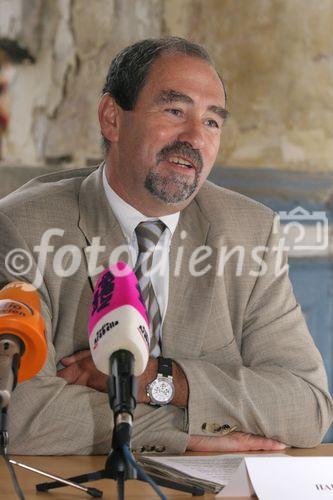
[141, 473]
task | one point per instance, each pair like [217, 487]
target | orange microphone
[23, 349]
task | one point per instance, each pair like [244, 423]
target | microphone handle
[10, 354]
[122, 393]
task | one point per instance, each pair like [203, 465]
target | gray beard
[159, 186]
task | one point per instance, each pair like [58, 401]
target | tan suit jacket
[241, 340]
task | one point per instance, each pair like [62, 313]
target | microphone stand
[120, 464]
[3, 449]
[12, 347]
[5, 397]
[9, 363]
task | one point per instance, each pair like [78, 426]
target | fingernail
[281, 446]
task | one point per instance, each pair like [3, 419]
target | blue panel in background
[313, 286]
[278, 189]
[312, 277]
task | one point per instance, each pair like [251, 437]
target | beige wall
[276, 57]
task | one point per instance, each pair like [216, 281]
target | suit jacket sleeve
[48, 416]
[272, 382]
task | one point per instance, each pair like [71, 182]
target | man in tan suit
[245, 371]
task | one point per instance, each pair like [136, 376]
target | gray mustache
[181, 149]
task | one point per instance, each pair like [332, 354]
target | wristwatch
[161, 390]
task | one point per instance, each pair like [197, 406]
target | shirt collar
[128, 217]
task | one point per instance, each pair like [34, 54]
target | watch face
[161, 390]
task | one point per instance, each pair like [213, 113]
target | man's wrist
[181, 386]
[161, 390]
[146, 378]
[179, 380]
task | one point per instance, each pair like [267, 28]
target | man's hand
[235, 441]
[81, 370]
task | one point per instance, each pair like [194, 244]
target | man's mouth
[182, 162]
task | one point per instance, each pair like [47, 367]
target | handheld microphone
[119, 341]
[23, 349]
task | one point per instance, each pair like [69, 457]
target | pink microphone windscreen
[117, 286]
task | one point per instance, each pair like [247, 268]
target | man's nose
[192, 133]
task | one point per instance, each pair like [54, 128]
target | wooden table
[74, 465]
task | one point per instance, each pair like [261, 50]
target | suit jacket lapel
[100, 227]
[189, 296]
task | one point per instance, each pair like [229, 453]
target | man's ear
[108, 114]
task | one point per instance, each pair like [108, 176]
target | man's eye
[212, 123]
[174, 111]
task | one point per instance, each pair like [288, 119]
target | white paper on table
[239, 484]
[291, 478]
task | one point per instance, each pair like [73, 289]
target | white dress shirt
[128, 218]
